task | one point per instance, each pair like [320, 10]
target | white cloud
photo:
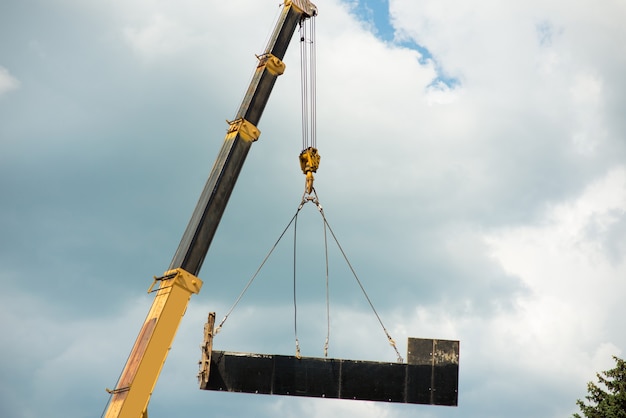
[163, 29]
[316, 408]
[573, 312]
[54, 352]
[588, 99]
[413, 174]
[161, 35]
[7, 81]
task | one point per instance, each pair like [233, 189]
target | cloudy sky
[473, 169]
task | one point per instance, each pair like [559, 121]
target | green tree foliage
[609, 399]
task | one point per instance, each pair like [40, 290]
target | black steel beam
[429, 377]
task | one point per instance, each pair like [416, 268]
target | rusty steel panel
[442, 359]
[429, 377]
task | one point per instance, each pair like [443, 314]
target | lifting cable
[310, 198]
[309, 163]
[313, 198]
[256, 273]
[308, 82]
[309, 157]
[295, 304]
[345, 257]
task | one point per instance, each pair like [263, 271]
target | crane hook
[309, 163]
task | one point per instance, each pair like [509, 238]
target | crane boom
[133, 390]
[206, 217]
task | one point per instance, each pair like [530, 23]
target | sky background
[473, 169]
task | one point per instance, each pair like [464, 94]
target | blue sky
[375, 14]
[473, 168]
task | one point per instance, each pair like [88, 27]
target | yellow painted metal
[246, 130]
[302, 6]
[309, 163]
[207, 349]
[272, 64]
[309, 160]
[131, 396]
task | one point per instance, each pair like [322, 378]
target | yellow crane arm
[132, 393]
[130, 398]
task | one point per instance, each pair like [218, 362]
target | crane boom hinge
[246, 130]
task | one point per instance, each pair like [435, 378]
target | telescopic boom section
[197, 238]
[131, 396]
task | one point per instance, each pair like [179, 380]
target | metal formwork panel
[429, 377]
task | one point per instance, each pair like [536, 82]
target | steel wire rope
[295, 307]
[294, 221]
[327, 295]
[271, 28]
[312, 83]
[308, 82]
[256, 273]
[304, 85]
[391, 340]
[314, 198]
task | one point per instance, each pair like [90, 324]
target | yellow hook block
[309, 163]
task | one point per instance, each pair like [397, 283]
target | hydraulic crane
[430, 368]
[131, 395]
